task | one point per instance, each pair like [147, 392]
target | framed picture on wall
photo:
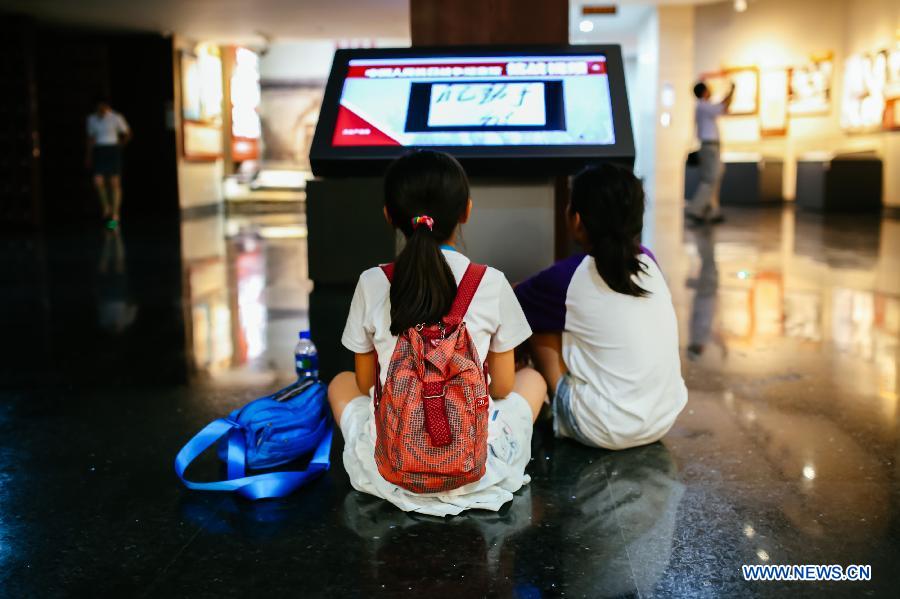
[746, 90]
[201, 104]
[891, 120]
[892, 72]
[244, 92]
[810, 87]
[892, 89]
[863, 102]
[773, 103]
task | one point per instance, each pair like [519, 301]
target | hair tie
[423, 220]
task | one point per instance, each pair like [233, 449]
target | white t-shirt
[494, 320]
[621, 351]
[105, 130]
[706, 114]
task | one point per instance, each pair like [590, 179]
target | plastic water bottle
[306, 358]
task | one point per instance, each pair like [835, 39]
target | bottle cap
[304, 335]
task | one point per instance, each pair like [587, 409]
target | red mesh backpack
[431, 417]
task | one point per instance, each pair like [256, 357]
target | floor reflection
[786, 452]
[476, 547]
[247, 289]
[706, 293]
[618, 540]
[779, 284]
[116, 309]
[606, 531]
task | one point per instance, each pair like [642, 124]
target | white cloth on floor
[509, 451]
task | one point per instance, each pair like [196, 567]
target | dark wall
[70, 68]
[64, 277]
[19, 175]
[489, 22]
[135, 72]
[51, 77]
[142, 89]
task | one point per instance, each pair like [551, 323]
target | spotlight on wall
[740, 5]
[667, 96]
[586, 26]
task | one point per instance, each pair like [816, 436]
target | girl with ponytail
[606, 337]
[427, 199]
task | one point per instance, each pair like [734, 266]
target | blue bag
[267, 432]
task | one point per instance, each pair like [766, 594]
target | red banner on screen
[353, 130]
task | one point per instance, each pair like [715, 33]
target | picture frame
[774, 89]
[863, 103]
[201, 96]
[809, 92]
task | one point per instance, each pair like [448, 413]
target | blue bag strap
[281, 484]
[259, 486]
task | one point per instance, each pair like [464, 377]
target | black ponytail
[610, 201]
[432, 184]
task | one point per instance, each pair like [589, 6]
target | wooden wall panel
[489, 22]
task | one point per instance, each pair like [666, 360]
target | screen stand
[512, 226]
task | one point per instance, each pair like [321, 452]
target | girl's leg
[100, 184]
[115, 182]
[342, 391]
[546, 351]
[530, 385]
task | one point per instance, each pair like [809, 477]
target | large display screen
[567, 101]
[477, 101]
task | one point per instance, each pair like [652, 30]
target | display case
[749, 179]
[839, 183]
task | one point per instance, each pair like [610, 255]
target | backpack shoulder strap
[465, 291]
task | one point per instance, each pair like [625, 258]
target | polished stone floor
[117, 348]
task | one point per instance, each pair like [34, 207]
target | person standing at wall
[107, 133]
[704, 206]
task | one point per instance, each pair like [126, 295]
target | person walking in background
[704, 206]
[107, 132]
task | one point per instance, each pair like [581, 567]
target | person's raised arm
[726, 102]
[124, 131]
[502, 368]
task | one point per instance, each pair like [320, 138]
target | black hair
[423, 183]
[101, 99]
[610, 201]
[699, 89]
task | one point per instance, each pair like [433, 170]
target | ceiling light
[586, 26]
[740, 5]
